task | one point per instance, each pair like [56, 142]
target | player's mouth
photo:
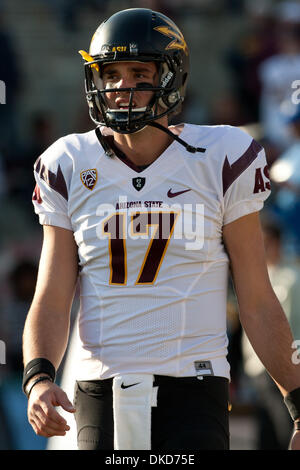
[125, 105]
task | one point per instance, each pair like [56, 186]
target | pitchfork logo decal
[170, 30]
[89, 178]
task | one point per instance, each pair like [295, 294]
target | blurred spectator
[5, 437]
[42, 133]
[22, 281]
[68, 11]
[249, 51]
[11, 75]
[15, 432]
[228, 109]
[274, 422]
[285, 175]
[278, 73]
[20, 169]
[3, 181]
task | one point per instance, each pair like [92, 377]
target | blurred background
[245, 71]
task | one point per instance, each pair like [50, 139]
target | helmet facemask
[165, 100]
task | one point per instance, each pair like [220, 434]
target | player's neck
[145, 146]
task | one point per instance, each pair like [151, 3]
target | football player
[149, 216]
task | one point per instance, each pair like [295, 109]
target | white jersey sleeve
[52, 172]
[245, 176]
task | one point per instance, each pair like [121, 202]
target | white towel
[132, 400]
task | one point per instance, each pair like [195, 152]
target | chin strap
[110, 153]
[188, 147]
[107, 149]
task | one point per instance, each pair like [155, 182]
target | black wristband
[297, 425]
[292, 401]
[39, 365]
[36, 381]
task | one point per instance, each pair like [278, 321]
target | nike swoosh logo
[127, 386]
[170, 194]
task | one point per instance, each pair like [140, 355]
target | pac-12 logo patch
[89, 178]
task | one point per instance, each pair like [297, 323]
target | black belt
[159, 380]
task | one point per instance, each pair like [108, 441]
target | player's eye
[144, 75]
[110, 77]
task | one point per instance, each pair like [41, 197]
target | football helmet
[137, 34]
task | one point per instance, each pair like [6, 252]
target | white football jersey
[153, 268]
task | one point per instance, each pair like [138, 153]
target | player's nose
[126, 82]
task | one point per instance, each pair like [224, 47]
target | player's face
[128, 75]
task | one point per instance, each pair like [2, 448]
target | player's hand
[295, 441]
[42, 415]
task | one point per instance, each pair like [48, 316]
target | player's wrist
[34, 370]
[35, 381]
[36, 376]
